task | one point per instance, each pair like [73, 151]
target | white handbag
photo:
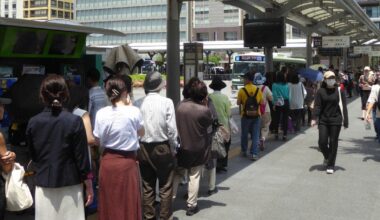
[17, 192]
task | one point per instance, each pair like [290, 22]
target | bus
[256, 62]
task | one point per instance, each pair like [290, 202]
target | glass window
[53, 3]
[60, 4]
[14, 6]
[230, 35]
[67, 15]
[202, 37]
[53, 13]
[26, 14]
[6, 7]
[60, 14]
[67, 5]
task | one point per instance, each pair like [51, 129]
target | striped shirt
[97, 100]
[159, 116]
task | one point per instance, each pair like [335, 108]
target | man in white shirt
[372, 104]
[157, 147]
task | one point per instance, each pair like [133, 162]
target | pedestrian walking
[117, 129]
[374, 106]
[157, 147]
[365, 83]
[330, 113]
[58, 146]
[297, 95]
[280, 91]
[194, 123]
[249, 99]
[266, 118]
[222, 106]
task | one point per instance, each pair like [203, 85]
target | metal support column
[173, 51]
[309, 51]
[345, 59]
[268, 51]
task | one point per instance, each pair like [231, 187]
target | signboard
[193, 59]
[362, 49]
[193, 51]
[317, 42]
[330, 51]
[250, 58]
[335, 41]
[375, 54]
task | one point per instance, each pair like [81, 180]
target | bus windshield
[244, 67]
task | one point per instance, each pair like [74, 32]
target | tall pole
[173, 51]
[309, 51]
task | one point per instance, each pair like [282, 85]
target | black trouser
[328, 142]
[297, 115]
[223, 162]
[159, 165]
[281, 113]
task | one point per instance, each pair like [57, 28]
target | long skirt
[61, 203]
[119, 187]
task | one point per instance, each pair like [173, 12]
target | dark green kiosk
[28, 51]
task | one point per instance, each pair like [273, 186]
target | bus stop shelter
[322, 17]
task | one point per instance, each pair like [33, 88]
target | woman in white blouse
[117, 129]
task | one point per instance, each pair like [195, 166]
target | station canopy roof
[55, 25]
[323, 17]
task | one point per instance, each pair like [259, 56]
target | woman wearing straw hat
[330, 110]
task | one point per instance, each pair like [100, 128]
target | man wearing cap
[365, 83]
[157, 147]
[249, 124]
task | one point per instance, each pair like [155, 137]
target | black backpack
[251, 107]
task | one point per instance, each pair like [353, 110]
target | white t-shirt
[297, 94]
[373, 98]
[267, 94]
[116, 127]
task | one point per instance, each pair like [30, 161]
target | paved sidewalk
[289, 182]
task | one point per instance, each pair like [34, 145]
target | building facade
[143, 21]
[372, 9]
[215, 21]
[48, 9]
[11, 8]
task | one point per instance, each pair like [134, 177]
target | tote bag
[17, 193]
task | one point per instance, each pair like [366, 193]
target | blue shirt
[280, 90]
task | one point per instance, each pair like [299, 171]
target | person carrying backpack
[249, 99]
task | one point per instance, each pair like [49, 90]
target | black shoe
[221, 169]
[284, 138]
[192, 210]
[210, 192]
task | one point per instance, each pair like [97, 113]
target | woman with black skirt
[330, 110]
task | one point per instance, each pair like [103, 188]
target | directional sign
[362, 49]
[335, 41]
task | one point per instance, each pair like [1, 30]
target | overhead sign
[317, 42]
[335, 41]
[330, 51]
[250, 58]
[362, 49]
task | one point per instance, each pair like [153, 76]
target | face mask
[330, 82]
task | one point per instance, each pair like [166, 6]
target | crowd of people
[149, 146]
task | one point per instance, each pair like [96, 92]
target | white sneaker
[330, 171]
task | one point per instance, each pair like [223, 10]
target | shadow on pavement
[367, 146]
[320, 167]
